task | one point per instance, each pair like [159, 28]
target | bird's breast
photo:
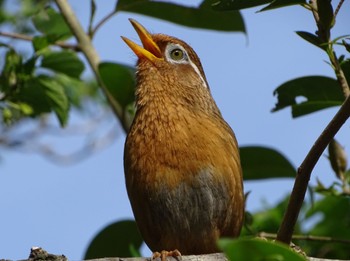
[183, 176]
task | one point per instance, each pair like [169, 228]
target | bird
[181, 158]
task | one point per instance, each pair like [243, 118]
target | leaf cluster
[49, 80]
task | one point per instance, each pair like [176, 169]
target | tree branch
[30, 39]
[304, 172]
[286, 229]
[90, 54]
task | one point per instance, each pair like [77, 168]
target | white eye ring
[175, 53]
[185, 59]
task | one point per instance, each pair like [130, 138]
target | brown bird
[181, 159]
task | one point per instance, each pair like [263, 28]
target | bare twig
[30, 38]
[338, 8]
[103, 20]
[308, 238]
[90, 54]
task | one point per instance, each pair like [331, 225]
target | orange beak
[150, 49]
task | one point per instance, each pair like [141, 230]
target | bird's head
[170, 65]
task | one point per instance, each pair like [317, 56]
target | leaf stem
[90, 54]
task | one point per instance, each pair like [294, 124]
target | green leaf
[119, 239]
[66, 62]
[40, 42]
[25, 108]
[56, 97]
[264, 163]
[49, 22]
[258, 250]
[282, 3]
[119, 80]
[226, 5]
[320, 92]
[202, 16]
[33, 94]
[313, 39]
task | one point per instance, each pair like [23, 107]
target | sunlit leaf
[40, 42]
[258, 250]
[202, 16]
[120, 239]
[264, 163]
[316, 92]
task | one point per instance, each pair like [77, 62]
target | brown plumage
[181, 158]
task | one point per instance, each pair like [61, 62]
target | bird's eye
[177, 54]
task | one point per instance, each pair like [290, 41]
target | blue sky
[61, 208]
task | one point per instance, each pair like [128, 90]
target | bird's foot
[164, 254]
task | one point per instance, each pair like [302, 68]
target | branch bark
[38, 253]
[90, 54]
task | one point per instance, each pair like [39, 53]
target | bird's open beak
[150, 49]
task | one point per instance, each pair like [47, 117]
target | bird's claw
[164, 254]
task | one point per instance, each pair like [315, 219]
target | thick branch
[90, 53]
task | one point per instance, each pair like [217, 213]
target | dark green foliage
[120, 239]
[120, 81]
[320, 92]
[265, 163]
[202, 16]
